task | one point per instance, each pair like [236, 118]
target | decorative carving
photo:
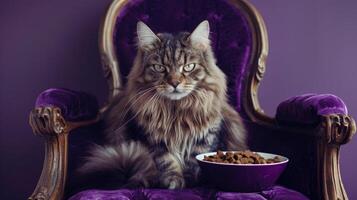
[340, 129]
[335, 130]
[49, 123]
[258, 55]
[42, 194]
[47, 120]
[261, 67]
[106, 46]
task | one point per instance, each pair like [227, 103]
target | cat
[173, 107]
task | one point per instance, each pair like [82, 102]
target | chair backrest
[240, 44]
[238, 35]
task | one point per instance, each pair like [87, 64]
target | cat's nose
[174, 83]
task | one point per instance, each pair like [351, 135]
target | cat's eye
[158, 68]
[189, 67]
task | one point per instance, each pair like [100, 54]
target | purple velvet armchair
[309, 129]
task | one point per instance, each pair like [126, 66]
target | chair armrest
[57, 112]
[328, 113]
[74, 105]
[311, 129]
[308, 109]
[335, 130]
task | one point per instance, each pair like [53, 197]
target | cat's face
[174, 65]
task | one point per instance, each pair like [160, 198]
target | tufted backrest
[235, 35]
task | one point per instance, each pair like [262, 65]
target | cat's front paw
[174, 182]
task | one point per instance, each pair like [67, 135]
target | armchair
[309, 129]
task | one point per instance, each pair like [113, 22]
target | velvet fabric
[308, 108]
[232, 44]
[275, 193]
[300, 173]
[230, 34]
[74, 105]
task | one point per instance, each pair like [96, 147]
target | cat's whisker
[138, 96]
[133, 103]
[136, 114]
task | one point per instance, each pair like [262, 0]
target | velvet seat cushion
[74, 105]
[308, 108]
[275, 193]
[229, 32]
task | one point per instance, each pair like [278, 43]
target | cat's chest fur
[179, 130]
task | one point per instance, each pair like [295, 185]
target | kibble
[240, 157]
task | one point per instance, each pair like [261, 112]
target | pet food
[240, 157]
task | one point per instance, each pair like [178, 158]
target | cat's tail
[128, 164]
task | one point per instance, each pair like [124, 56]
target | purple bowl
[241, 177]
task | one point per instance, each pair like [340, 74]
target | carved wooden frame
[333, 131]
[49, 123]
[329, 181]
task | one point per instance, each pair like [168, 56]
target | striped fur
[180, 110]
[124, 162]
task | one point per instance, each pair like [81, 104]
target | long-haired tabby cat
[173, 107]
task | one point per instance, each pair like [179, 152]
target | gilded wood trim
[110, 61]
[257, 62]
[49, 123]
[330, 188]
[111, 64]
[336, 130]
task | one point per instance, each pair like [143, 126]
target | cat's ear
[200, 36]
[146, 37]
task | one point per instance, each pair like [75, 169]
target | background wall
[313, 50]
[54, 44]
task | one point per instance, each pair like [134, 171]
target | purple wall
[42, 44]
[54, 44]
[313, 49]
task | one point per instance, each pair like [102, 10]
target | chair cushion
[275, 193]
[308, 108]
[74, 105]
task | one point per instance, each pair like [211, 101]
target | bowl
[241, 177]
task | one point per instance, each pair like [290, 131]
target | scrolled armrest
[338, 129]
[47, 121]
[74, 105]
[327, 118]
[309, 109]
[57, 112]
